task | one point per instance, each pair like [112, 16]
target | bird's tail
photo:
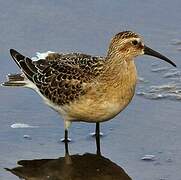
[27, 67]
[15, 80]
[25, 64]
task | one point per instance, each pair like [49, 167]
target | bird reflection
[71, 167]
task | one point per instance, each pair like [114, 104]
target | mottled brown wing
[63, 79]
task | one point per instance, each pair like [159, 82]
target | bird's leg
[66, 139]
[94, 133]
[68, 159]
[97, 135]
[66, 126]
[66, 142]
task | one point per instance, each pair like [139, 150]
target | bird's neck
[117, 82]
[118, 69]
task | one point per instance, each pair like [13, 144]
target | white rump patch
[41, 55]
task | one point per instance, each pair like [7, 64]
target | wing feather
[61, 77]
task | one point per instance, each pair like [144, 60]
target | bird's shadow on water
[75, 167]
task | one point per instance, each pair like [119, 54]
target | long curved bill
[151, 52]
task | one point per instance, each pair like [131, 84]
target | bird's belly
[98, 109]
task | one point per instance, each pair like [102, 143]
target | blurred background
[149, 126]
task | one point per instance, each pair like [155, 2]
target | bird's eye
[135, 42]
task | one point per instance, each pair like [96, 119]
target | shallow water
[146, 127]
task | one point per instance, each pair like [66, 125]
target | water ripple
[170, 90]
[176, 42]
[172, 74]
[160, 69]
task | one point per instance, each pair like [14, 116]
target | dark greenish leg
[68, 159]
[66, 142]
[97, 135]
[66, 138]
[94, 133]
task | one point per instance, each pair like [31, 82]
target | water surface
[151, 123]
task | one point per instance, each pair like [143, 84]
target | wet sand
[149, 126]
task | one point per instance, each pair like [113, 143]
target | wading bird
[82, 87]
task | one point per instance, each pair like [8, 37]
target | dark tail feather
[14, 80]
[16, 56]
[25, 64]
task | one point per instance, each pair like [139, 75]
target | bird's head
[128, 45]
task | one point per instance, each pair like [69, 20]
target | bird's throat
[119, 72]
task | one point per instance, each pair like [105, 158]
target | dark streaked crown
[126, 34]
[118, 42]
